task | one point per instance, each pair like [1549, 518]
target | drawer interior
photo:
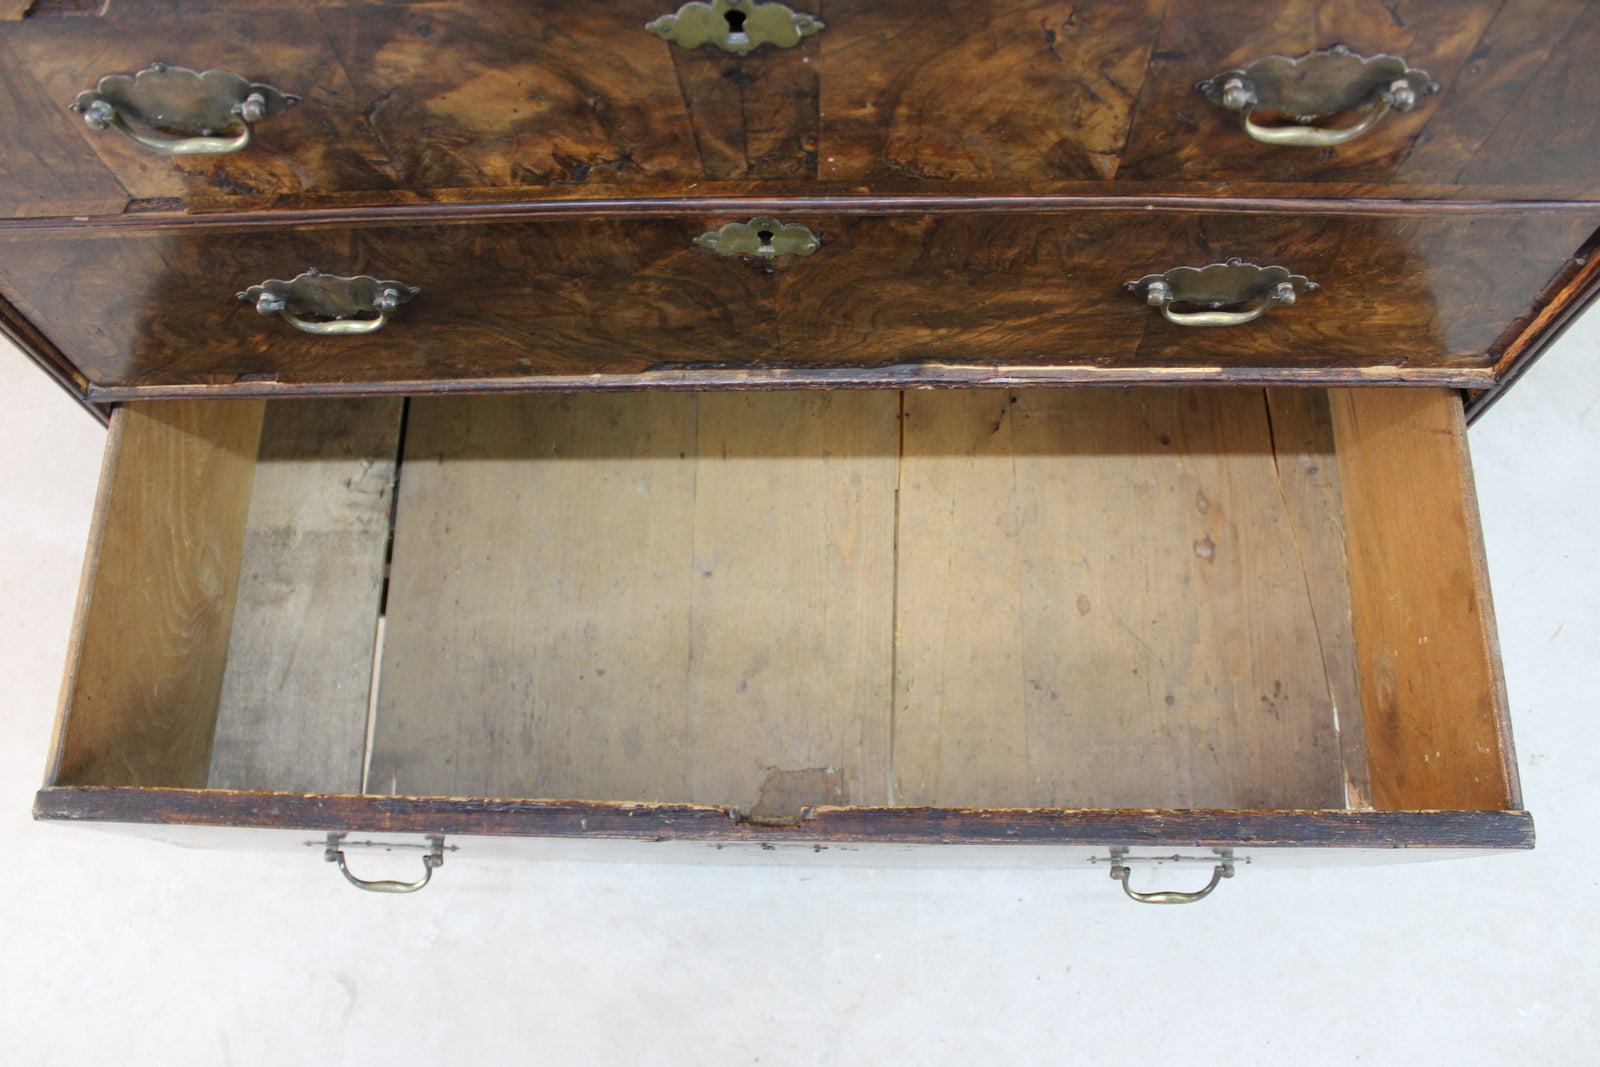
[1064, 599]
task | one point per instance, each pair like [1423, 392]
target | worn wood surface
[663, 597]
[1435, 715]
[1335, 830]
[1556, 310]
[1101, 605]
[535, 637]
[792, 599]
[1306, 455]
[293, 709]
[707, 598]
[521, 300]
[151, 638]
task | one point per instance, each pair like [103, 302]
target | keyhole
[736, 34]
[766, 238]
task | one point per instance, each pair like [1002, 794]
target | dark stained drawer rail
[439, 96]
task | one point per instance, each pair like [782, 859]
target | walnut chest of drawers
[848, 427]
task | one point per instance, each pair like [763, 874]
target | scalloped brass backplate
[1314, 87]
[199, 105]
[1227, 294]
[761, 236]
[738, 26]
[354, 305]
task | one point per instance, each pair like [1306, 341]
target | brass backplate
[738, 26]
[176, 98]
[1318, 84]
[762, 236]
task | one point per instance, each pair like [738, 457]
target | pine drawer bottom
[1221, 618]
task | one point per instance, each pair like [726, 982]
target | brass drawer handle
[178, 99]
[431, 861]
[762, 236]
[1314, 86]
[1119, 872]
[738, 26]
[351, 305]
[1218, 287]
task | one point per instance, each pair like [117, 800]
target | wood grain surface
[45, 169]
[435, 97]
[1435, 712]
[656, 596]
[151, 639]
[1104, 603]
[746, 600]
[292, 714]
[562, 298]
[1305, 452]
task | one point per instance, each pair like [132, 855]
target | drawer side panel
[1430, 671]
[152, 640]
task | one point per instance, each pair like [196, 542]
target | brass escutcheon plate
[762, 236]
[738, 26]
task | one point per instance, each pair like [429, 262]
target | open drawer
[1100, 619]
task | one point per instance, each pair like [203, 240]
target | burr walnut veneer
[525, 431]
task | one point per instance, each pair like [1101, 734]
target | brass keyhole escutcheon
[737, 26]
[762, 236]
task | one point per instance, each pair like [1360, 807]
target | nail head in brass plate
[1223, 294]
[761, 236]
[1316, 86]
[738, 26]
[211, 113]
[340, 306]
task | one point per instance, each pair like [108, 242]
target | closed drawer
[900, 295]
[1239, 618]
[441, 96]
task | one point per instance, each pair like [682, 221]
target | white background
[119, 950]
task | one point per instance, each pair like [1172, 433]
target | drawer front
[428, 97]
[883, 298]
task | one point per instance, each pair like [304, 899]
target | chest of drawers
[629, 513]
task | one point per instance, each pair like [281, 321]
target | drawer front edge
[843, 825]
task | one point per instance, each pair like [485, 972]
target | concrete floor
[120, 950]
